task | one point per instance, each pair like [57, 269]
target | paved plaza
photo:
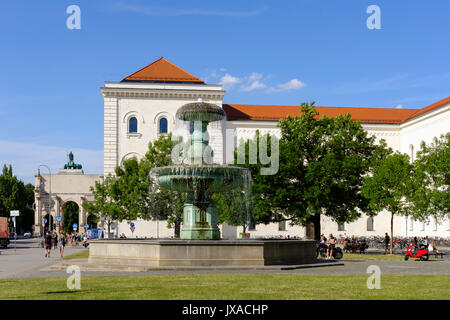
[28, 261]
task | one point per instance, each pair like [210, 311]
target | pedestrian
[62, 243]
[387, 242]
[48, 244]
[331, 246]
[55, 240]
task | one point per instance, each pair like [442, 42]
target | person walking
[48, 244]
[62, 243]
[55, 240]
[387, 242]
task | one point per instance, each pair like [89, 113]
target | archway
[92, 221]
[71, 212]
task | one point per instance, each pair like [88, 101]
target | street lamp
[50, 192]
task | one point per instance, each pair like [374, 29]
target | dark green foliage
[15, 195]
[322, 164]
[132, 194]
[71, 216]
[431, 196]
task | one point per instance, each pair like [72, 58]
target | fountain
[200, 178]
[200, 244]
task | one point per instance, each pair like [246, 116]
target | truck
[4, 232]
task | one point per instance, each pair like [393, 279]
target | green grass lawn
[79, 255]
[231, 286]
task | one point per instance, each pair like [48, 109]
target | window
[163, 126]
[411, 224]
[191, 127]
[252, 226]
[132, 125]
[282, 225]
[341, 227]
[370, 224]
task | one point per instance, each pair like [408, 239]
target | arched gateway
[68, 189]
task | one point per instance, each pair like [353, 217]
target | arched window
[132, 125]
[163, 126]
[370, 224]
[411, 152]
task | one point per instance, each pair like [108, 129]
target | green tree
[234, 207]
[71, 215]
[322, 164]
[431, 179]
[15, 195]
[103, 204]
[161, 203]
[390, 186]
[132, 193]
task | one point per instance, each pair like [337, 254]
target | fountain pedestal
[199, 224]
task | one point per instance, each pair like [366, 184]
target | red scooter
[413, 252]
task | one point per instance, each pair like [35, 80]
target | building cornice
[162, 93]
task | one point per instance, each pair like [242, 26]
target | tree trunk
[315, 221]
[392, 232]
[177, 229]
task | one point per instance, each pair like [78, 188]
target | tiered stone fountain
[200, 179]
[200, 244]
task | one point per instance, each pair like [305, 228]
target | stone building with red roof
[143, 106]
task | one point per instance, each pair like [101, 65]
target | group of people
[60, 240]
[52, 241]
[332, 241]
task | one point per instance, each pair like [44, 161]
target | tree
[322, 164]
[161, 203]
[133, 194]
[103, 204]
[389, 187]
[234, 207]
[15, 195]
[432, 179]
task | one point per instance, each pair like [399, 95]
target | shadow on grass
[62, 292]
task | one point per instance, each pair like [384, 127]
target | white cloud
[174, 12]
[228, 80]
[25, 158]
[254, 76]
[253, 86]
[293, 84]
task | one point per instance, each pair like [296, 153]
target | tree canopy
[322, 165]
[431, 196]
[16, 195]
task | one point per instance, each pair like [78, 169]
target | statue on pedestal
[71, 164]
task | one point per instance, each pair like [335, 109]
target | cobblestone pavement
[28, 260]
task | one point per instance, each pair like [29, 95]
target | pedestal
[199, 224]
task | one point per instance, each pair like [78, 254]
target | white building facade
[143, 106]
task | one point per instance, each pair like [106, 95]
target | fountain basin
[200, 178]
[196, 253]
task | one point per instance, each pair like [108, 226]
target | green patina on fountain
[200, 178]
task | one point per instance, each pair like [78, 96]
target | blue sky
[265, 52]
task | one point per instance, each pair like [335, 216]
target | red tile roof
[162, 70]
[365, 115]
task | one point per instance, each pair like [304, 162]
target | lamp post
[50, 193]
